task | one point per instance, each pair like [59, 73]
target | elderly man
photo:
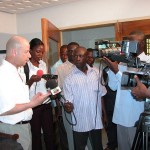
[15, 108]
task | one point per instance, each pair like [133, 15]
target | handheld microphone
[45, 76]
[53, 86]
[40, 73]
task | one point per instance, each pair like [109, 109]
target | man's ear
[14, 52]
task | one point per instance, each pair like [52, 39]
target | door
[124, 28]
[52, 42]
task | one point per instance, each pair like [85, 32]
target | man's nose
[29, 56]
[78, 58]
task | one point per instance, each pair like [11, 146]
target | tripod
[143, 128]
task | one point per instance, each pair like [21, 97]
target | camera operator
[127, 109]
[140, 91]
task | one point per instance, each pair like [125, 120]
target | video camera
[125, 51]
[128, 81]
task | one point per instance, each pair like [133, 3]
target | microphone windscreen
[39, 73]
[52, 84]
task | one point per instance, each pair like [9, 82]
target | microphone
[40, 73]
[53, 86]
[46, 76]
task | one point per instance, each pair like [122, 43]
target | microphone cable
[35, 88]
[71, 123]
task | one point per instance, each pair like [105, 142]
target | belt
[21, 122]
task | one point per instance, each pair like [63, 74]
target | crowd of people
[88, 105]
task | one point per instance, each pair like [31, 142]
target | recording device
[128, 81]
[53, 86]
[46, 76]
[56, 94]
[121, 51]
[126, 52]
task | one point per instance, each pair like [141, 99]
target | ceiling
[22, 6]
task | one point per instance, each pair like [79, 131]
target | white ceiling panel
[22, 6]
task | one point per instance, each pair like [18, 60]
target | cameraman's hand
[68, 107]
[140, 91]
[112, 65]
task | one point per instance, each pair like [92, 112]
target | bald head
[81, 49]
[17, 51]
[15, 42]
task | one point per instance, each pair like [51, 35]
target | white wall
[8, 27]
[8, 23]
[72, 14]
[3, 40]
[83, 12]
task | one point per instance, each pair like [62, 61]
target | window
[147, 40]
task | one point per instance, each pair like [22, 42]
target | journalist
[127, 109]
[15, 106]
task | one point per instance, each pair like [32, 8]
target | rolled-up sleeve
[114, 80]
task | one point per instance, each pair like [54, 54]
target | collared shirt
[39, 86]
[81, 89]
[55, 66]
[127, 109]
[62, 71]
[12, 91]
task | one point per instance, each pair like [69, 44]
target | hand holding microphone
[46, 76]
[35, 78]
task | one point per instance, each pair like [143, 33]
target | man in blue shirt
[127, 109]
[63, 58]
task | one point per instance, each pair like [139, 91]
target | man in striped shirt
[84, 94]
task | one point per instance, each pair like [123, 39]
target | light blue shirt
[127, 110]
[81, 90]
[55, 66]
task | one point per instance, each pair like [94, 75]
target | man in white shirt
[127, 109]
[15, 108]
[63, 58]
[84, 93]
[62, 71]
